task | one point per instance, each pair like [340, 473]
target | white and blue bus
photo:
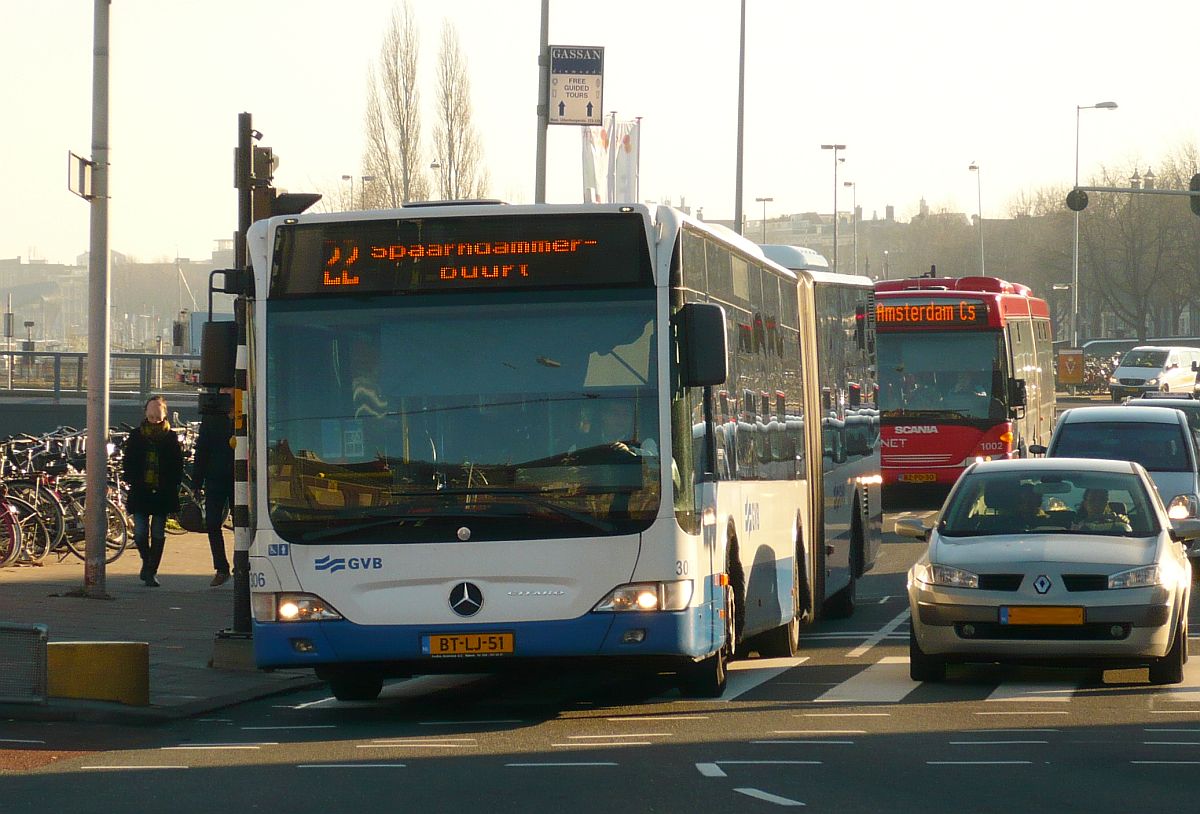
[483, 436]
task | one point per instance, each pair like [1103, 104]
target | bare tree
[460, 170]
[393, 116]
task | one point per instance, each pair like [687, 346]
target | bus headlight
[291, 607]
[647, 596]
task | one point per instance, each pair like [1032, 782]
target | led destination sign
[932, 313]
[461, 253]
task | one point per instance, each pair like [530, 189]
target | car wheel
[923, 667]
[1169, 669]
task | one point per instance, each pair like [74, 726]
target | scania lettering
[491, 437]
[966, 373]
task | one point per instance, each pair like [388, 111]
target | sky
[917, 91]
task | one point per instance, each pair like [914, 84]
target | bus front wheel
[355, 687]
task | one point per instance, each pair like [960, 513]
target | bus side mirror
[1016, 393]
[703, 342]
[218, 354]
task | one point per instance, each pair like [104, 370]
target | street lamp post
[835, 148]
[362, 190]
[1075, 244]
[979, 196]
[854, 210]
[764, 202]
[350, 178]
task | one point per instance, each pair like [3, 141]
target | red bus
[965, 373]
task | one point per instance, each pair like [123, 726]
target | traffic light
[1077, 200]
[1194, 186]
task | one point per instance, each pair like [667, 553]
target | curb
[81, 711]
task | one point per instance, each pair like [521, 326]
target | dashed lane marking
[769, 798]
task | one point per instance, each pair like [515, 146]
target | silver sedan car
[1052, 560]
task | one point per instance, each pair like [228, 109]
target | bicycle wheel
[186, 496]
[35, 537]
[10, 536]
[47, 504]
[118, 531]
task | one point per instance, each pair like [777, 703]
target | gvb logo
[335, 564]
[328, 563]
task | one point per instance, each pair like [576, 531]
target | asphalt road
[840, 728]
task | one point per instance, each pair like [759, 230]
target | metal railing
[64, 373]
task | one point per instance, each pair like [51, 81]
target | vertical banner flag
[624, 146]
[595, 164]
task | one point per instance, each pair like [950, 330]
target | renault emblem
[466, 599]
[1042, 584]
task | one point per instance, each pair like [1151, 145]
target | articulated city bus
[965, 372]
[483, 436]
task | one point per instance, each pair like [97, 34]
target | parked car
[1153, 368]
[1160, 440]
[1018, 570]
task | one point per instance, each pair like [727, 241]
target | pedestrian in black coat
[212, 472]
[153, 468]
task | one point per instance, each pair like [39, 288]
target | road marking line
[633, 735]
[769, 798]
[604, 743]
[1170, 730]
[880, 635]
[1028, 712]
[1145, 763]
[639, 718]
[769, 762]
[541, 765]
[351, 766]
[217, 746]
[312, 726]
[130, 768]
[469, 723]
[710, 770]
[819, 732]
[995, 742]
[1171, 743]
[978, 762]
[744, 676]
[226, 720]
[806, 740]
[415, 746]
[1045, 691]
[991, 731]
[18, 740]
[842, 714]
[308, 704]
[884, 600]
[1175, 711]
[401, 741]
[885, 681]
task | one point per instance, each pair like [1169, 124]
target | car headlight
[1142, 577]
[647, 596]
[1113, 380]
[1182, 506]
[1152, 382]
[946, 576]
[291, 607]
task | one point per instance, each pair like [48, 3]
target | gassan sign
[576, 84]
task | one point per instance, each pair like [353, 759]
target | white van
[1154, 368]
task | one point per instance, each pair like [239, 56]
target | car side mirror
[912, 527]
[1183, 529]
[1196, 367]
[1037, 449]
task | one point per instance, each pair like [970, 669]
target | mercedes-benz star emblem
[466, 599]
[1042, 584]
[464, 534]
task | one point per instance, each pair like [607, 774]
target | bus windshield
[942, 374]
[435, 418]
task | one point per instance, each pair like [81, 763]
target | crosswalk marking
[885, 681]
[880, 635]
[1040, 691]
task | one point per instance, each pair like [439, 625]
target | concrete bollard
[99, 671]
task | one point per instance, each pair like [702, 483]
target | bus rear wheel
[355, 687]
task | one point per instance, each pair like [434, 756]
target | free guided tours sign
[576, 84]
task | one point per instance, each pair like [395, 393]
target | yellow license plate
[1041, 616]
[468, 644]
[918, 477]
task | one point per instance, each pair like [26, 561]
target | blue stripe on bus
[683, 633]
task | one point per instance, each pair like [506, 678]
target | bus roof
[795, 257]
[987, 285]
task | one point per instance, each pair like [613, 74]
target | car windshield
[1063, 501]
[1144, 358]
[1158, 447]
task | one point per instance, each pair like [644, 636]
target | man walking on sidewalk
[213, 472]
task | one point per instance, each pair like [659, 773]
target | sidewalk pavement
[179, 620]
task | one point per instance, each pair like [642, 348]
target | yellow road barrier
[99, 671]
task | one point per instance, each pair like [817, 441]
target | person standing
[153, 468]
[212, 472]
